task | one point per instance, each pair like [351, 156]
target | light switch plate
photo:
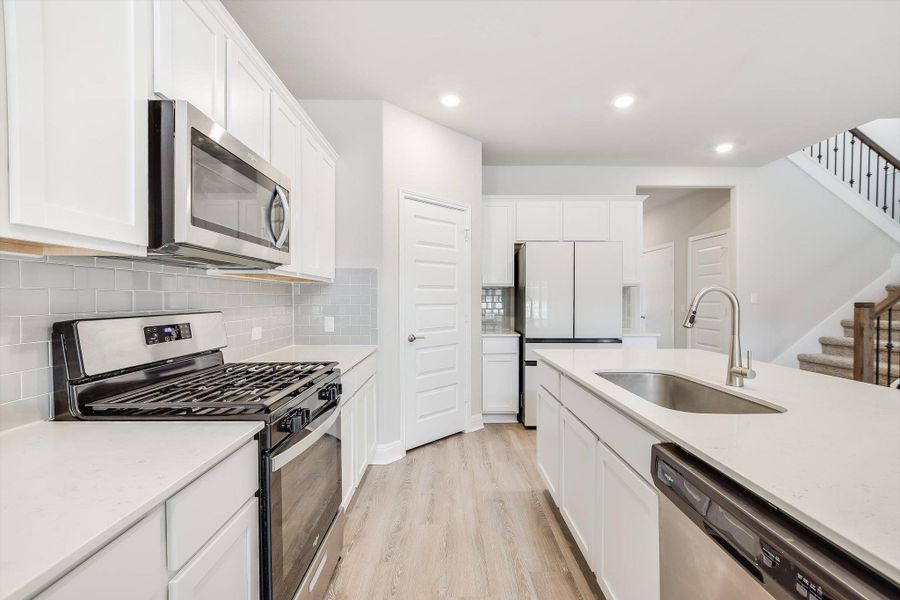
[256, 333]
[329, 324]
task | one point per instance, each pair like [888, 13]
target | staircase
[836, 358]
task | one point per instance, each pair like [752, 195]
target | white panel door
[658, 293]
[598, 290]
[434, 296]
[131, 566]
[549, 289]
[500, 383]
[627, 534]
[626, 225]
[578, 453]
[317, 196]
[709, 263]
[285, 139]
[189, 55]
[538, 220]
[499, 238]
[585, 220]
[247, 99]
[78, 80]
[548, 423]
[227, 568]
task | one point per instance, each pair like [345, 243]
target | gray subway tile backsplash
[352, 301]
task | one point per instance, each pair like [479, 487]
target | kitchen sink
[678, 393]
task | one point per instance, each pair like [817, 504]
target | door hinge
[467, 234]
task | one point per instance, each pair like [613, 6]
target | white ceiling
[536, 78]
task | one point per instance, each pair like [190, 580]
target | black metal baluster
[819, 155]
[827, 152]
[869, 175]
[884, 206]
[843, 156]
[890, 344]
[835, 151]
[877, 349]
[877, 175]
[852, 146]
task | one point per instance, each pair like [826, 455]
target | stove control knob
[296, 421]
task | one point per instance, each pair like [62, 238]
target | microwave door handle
[278, 194]
[319, 427]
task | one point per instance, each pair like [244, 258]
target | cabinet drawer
[548, 377]
[625, 437]
[499, 345]
[365, 369]
[197, 512]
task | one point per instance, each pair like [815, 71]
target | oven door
[303, 499]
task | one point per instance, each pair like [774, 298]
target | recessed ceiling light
[623, 101]
[450, 100]
[724, 148]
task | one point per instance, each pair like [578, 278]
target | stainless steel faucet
[736, 371]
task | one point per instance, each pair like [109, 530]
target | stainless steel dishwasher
[719, 541]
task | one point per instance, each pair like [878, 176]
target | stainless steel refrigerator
[568, 295]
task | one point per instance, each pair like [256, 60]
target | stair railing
[869, 169]
[867, 338]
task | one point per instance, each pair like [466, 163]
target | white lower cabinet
[357, 428]
[370, 418]
[348, 432]
[548, 416]
[227, 568]
[500, 383]
[131, 566]
[626, 538]
[578, 451]
[360, 446]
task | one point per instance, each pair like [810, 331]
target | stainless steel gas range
[171, 367]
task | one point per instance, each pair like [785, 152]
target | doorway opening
[688, 245]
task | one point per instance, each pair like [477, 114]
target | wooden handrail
[882, 307]
[887, 156]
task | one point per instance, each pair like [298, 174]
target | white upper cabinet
[538, 220]
[626, 225]
[585, 220]
[499, 227]
[189, 55]
[285, 139]
[77, 80]
[247, 98]
[317, 196]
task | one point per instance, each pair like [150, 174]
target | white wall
[354, 128]
[426, 158]
[699, 211]
[885, 133]
[800, 248]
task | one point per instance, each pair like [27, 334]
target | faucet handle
[749, 372]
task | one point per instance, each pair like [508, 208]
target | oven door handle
[315, 430]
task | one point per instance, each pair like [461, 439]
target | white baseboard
[385, 454]
[831, 325]
[500, 418]
[475, 423]
[845, 193]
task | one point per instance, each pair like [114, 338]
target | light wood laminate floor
[466, 517]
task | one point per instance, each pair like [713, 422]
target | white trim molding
[500, 418]
[476, 422]
[845, 193]
[385, 454]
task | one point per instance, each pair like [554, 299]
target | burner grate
[224, 390]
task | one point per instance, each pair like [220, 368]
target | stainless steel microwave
[213, 201]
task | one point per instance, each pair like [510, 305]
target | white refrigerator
[568, 294]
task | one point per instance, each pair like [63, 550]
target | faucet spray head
[689, 319]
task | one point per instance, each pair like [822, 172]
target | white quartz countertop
[69, 488]
[832, 460]
[347, 357]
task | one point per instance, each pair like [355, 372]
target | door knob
[413, 337]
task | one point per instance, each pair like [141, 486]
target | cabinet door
[578, 452]
[627, 535]
[78, 80]
[371, 437]
[131, 566]
[585, 220]
[227, 568]
[317, 206]
[626, 226]
[500, 383]
[285, 139]
[538, 220]
[360, 447]
[247, 98]
[498, 244]
[548, 414]
[189, 55]
[348, 433]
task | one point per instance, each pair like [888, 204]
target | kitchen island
[830, 458]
